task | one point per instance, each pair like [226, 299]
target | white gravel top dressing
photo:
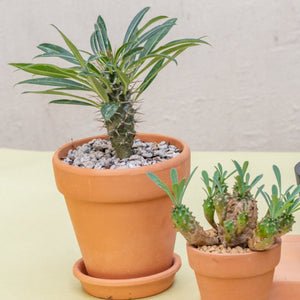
[99, 154]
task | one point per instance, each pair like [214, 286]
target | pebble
[99, 154]
[220, 249]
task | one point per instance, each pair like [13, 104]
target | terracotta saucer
[126, 288]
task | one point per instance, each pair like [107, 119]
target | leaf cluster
[243, 185]
[178, 189]
[105, 72]
[217, 184]
[279, 202]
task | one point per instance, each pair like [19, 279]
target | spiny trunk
[187, 225]
[201, 237]
[121, 126]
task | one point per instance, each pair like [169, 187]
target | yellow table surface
[39, 248]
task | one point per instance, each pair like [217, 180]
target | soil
[99, 154]
[220, 249]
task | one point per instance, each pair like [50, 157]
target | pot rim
[227, 255]
[59, 153]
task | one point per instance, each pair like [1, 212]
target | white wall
[241, 94]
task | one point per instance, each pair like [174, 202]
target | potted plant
[122, 223]
[237, 257]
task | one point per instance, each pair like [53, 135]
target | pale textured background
[241, 94]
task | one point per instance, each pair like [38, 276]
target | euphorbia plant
[112, 79]
[236, 210]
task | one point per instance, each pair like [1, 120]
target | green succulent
[112, 80]
[236, 211]
[279, 218]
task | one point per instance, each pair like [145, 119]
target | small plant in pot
[122, 223]
[232, 259]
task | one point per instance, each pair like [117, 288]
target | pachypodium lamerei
[111, 81]
[236, 211]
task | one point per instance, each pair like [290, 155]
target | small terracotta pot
[245, 276]
[120, 217]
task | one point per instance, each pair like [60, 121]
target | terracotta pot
[120, 217]
[245, 276]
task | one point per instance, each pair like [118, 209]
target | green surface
[39, 248]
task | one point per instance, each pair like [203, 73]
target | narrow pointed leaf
[58, 92]
[102, 27]
[72, 47]
[99, 39]
[72, 102]
[94, 44]
[174, 176]
[51, 50]
[162, 185]
[149, 23]
[132, 28]
[278, 176]
[158, 36]
[47, 70]
[121, 50]
[149, 34]
[205, 178]
[150, 76]
[62, 83]
[256, 180]
[99, 89]
[181, 42]
[189, 179]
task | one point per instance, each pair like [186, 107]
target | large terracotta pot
[120, 217]
[245, 276]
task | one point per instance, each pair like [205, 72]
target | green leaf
[51, 50]
[66, 84]
[162, 185]
[72, 102]
[46, 70]
[149, 34]
[260, 191]
[150, 76]
[175, 188]
[20, 65]
[158, 36]
[94, 44]
[181, 188]
[99, 39]
[132, 28]
[245, 166]
[188, 181]
[278, 176]
[174, 176]
[205, 178]
[108, 109]
[239, 169]
[149, 23]
[295, 192]
[274, 190]
[102, 28]
[57, 92]
[99, 89]
[255, 181]
[155, 57]
[72, 47]
[120, 51]
[181, 42]
[123, 78]
[130, 52]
